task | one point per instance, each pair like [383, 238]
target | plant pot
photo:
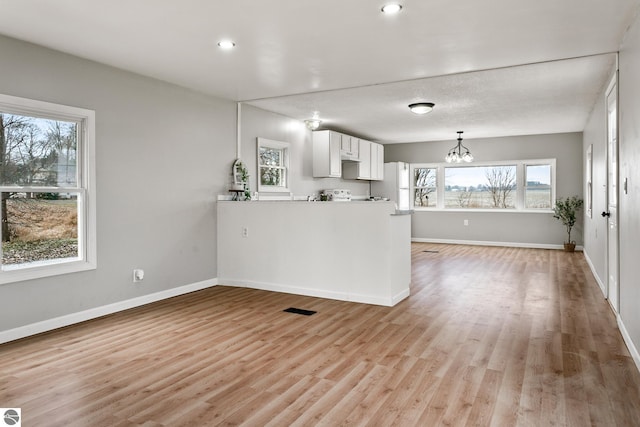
[570, 247]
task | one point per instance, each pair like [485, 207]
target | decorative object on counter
[240, 185]
[421, 107]
[337, 195]
[455, 155]
[566, 210]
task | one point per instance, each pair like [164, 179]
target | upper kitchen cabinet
[327, 162]
[349, 148]
[362, 159]
[361, 169]
[377, 162]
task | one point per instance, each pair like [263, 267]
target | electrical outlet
[245, 231]
[466, 222]
[138, 275]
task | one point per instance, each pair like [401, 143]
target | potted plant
[566, 210]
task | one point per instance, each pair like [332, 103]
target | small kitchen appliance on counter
[337, 195]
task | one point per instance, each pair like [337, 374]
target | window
[537, 189]
[513, 185]
[273, 165]
[484, 187]
[425, 193]
[47, 189]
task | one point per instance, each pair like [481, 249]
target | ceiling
[493, 68]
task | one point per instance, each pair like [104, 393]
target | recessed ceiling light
[226, 44]
[421, 107]
[391, 8]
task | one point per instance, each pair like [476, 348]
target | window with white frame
[508, 185]
[273, 165]
[480, 187]
[425, 192]
[47, 189]
[537, 188]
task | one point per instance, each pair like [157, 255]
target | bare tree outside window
[501, 181]
[464, 198]
[37, 156]
[424, 187]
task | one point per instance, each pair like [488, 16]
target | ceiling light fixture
[226, 44]
[391, 8]
[421, 107]
[313, 124]
[455, 155]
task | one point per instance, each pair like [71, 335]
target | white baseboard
[595, 274]
[400, 296]
[319, 293]
[630, 345]
[623, 330]
[487, 243]
[92, 313]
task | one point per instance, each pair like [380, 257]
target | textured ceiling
[298, 47]
[551, 97]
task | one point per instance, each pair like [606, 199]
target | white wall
[527, 229]
[595, 246]
[629, 204]
[162, 154]
[256, 122]
[595, 228]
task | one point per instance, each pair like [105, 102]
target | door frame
[613, 85]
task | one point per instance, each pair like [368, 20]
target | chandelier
[455, 155]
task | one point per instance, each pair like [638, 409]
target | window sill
[510, 211]
[11, 274]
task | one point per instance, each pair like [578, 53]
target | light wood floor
[489, 336]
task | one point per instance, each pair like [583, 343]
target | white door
[612, 196]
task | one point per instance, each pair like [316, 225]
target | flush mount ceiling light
[313, 124]
[455, 155]
[226, 44]
[421, 107]
[391, 8]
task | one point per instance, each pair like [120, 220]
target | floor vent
[300, 311]
[432, 252]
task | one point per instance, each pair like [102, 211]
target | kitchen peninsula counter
[356, 251]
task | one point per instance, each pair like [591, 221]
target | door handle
[606, 214]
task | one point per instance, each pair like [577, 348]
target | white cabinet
[362, 159]
[361, 169]
[327, 162]
[349, 147]
[377, 162]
